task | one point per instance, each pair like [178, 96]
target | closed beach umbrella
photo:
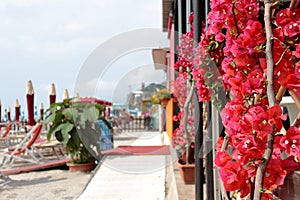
[17, 110]
[30, 104]
[8, 114]
[77, 96]
[52, 94]
[66, 95]
[42, 112]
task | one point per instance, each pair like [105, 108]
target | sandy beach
[55, 184]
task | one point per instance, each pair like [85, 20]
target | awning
[166, 7]
[92, 99]
[160, 58]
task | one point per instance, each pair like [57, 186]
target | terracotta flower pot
[187, 173]
[83, 167]
[164, 102]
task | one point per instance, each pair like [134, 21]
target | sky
[52, 41]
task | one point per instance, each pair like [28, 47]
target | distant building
[141, 99]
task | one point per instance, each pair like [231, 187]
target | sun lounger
[12, 134]
[51, 148]
[5, 179]
[23, 151]
[33, 149]
[6, 130]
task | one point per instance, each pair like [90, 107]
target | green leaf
[50, 118]
[94, 113]
[75, 138]
[99, 108]
[65, 131]
[106, 122]
[56, 129]
[58, 136]
[68, 113]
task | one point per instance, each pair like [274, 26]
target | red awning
[93, 99]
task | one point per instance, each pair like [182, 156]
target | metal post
[176, 29]
[199, 170]
[209, 156]
[209, 144]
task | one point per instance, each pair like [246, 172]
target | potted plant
[183, 135]
[161, 96]
[185, 149]
[75, 125]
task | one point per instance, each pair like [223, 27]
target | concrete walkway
[133, 177]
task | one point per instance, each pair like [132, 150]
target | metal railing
[139, 124]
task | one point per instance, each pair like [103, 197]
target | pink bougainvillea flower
[219, 144]
[291, 141]
[203, 91]
[297, 51]
[253, 85]
[274, 175]
[290, 164]
[179, 89]
[248, 9]
[220, 37]
[237, 86]
[182, 64]
[258, 117]
[248, 119]
[289, 20]
[175, 118]
[229, 174]
[292, 81]
[292, 29]
[253, 29]
[284, 17]
[235, 177]
[232, 115]
[278, 33]
[222, 158]
[248, 150]
[267, 196]
[275, 117]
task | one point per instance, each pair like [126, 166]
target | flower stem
[260, 173]
[280, 94]
[185, 121]
[295, 98]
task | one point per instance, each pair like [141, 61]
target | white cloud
[48, 40]
[75, 27]
[20, 3]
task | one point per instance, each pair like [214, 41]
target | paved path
[123, 183]
[130, 177]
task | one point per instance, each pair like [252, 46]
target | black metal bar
[209, 156]
[199, 169]
[176, 26]
[183, 16]
[209, 141]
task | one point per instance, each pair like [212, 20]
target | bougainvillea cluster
[235, 43]
[180, 89]
[179, 140]
[186, 50]
[182, 84]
